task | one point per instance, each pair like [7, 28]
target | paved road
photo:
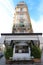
[42, 58]
[2, 62]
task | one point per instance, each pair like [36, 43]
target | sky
[7, 8]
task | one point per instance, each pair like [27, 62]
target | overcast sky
[7, 7]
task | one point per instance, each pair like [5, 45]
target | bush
[35, 52]
[8, 52]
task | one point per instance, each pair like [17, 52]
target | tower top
[21, 3]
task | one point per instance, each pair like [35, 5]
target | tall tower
[22, 22]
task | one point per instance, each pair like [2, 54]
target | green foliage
[8, 52]
[35, 52]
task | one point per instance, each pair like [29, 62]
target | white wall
[21, 37]
[21, 56]
[41, 45]
[41, 42]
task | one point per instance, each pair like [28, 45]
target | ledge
[21, 33]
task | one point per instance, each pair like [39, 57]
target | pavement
[42, 58]
[3, 62]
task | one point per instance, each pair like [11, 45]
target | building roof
[21, 33]
[21, 3]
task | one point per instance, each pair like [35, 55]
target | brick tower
[22, 22]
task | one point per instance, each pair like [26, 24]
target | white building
[21, 43]
[22, 35]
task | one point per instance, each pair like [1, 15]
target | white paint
[22, 37]
[21, 44]
[41, 45]
[2, 39]
[21, 56]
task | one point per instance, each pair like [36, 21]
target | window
[21, 49]
[18, 10]
[23, 9]
[20, 16]
[21, 24]
[27, 24]
[21, 30]
[16, 25]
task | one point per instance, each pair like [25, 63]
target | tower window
[21, 9]
[21, 24]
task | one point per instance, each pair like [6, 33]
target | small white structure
[20, 42]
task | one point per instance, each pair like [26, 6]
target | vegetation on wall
[35, 52]
[8, 52]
